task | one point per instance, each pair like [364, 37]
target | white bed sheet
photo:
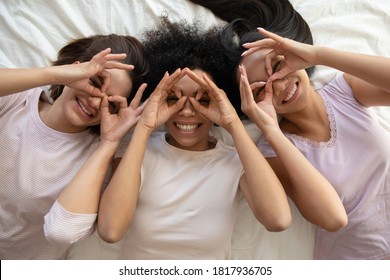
[32, 31]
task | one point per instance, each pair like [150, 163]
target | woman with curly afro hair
[174, 195]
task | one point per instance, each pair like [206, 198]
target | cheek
[98, 118]
[208, 125]
[169, 125]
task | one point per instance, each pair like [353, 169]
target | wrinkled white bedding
[32, 32]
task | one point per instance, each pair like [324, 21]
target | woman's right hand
[261, 112]
[157, 110]
[114, 125]
[91, 77]
[296, 55]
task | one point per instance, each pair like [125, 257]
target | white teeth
[187, 127]
[84, 109]
[291, 93]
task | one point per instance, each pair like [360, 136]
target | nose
[187, 110]
[94, 102]
[278, 86]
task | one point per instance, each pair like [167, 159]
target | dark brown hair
[84, 49]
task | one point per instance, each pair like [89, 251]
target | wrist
[272, 134]
[143, 129]
[234, 126]
[108, 144]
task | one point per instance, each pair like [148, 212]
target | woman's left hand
[114, 125]
[220, 110]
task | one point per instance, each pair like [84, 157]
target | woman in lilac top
[332, 127]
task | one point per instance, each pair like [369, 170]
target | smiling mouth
[187, 127]
[84, 109]
[291, 94]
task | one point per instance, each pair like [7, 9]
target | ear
[76, 62]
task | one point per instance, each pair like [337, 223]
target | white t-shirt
[187, 203]
[36, 164]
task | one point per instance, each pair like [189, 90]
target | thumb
[268, 91]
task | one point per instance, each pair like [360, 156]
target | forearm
[372, 69]
[264, 191]
[314, 196]
[21, 79]
[119, 200]
[83, 192]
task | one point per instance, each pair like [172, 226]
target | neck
[51, 116]
[210, 144]
[311, 122]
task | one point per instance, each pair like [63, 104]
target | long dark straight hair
[242, 19]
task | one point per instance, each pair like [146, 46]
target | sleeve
[339, 89]
[62, 226]
[9, 101]
[265, 148]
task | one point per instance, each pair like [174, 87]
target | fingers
[257, 85]
[268, 91]
[121, 101]
[273, 41]
[93, 91]
[118, 65]
[137, 98]
[268, 61]
[178, 105]
[211, 85]
[174, 77]
[106, 56]
[166, 83]
[107, 60]
[197, 106]
[106, 77]
[269, 34]
[199, 80]
[245, 89]
[196, 78]
[279, 74]
[258, 45]
[141, 108]
[104, 106]
[250, 49]
[99, 56]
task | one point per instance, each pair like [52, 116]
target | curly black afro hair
[174, 45]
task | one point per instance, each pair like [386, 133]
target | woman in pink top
[332, 127]
[45, 196]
